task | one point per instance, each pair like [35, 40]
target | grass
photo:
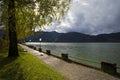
[25, 67]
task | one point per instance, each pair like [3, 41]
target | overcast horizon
[90, 17]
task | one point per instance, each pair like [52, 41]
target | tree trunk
[13, 49]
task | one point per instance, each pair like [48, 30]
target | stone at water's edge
[108, 67]
[40, 49]
[64, 56]
[48, 52]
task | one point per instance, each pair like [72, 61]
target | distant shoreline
[73, 37]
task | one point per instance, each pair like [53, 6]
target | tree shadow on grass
[10, 69]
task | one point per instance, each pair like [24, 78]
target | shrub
[3, 43]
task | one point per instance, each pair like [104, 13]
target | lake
[87, 53]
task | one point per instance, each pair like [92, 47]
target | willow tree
[22, 17]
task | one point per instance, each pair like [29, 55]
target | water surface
[88, 53]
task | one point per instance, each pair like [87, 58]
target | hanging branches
[32, 14]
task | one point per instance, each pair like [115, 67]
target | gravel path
[71, 71]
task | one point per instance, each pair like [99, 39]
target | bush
[3, 43]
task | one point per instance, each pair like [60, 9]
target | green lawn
[25, 67]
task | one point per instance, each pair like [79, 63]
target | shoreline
[84, 62]
[74, 68]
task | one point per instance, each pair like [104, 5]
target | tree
[27, 15]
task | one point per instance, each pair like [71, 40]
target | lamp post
[40, 42]
[30, 42]
[40, 49]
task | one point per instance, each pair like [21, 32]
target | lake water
[88, 53]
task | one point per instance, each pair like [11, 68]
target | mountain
[46, 37]
[71, 37]
[113, 37]
[74, 37]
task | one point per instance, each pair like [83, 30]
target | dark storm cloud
[91, 17]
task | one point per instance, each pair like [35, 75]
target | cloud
[90, 17]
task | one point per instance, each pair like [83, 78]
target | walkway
[70, 70]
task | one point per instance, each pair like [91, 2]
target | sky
[90, 17]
